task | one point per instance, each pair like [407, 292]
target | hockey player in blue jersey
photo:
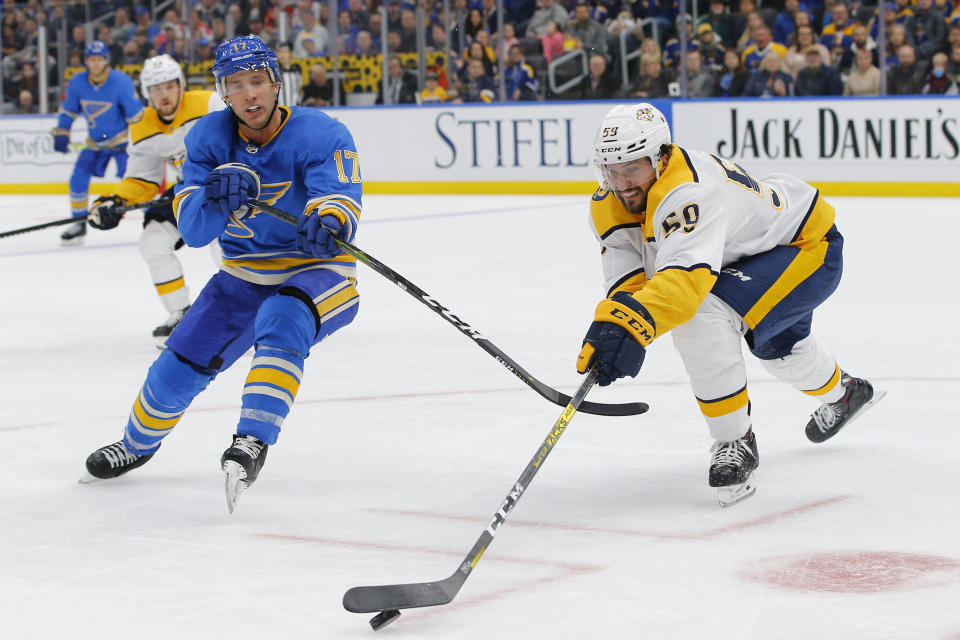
[281, 289]
[107, 100]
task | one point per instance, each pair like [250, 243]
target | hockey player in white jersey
[155, 140]
[694, 244]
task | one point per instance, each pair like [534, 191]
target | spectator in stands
[817, 78]
[939, 80]
[711, 51]
[77, 40]
[291, 77]
[840, 26]
[762, 45]
[909, 75]
[204, 50]
[478, 86]
[552, 41]
[319, 91]
[408, 31]
[207, 10]
[547, 10]
[131, 54]
[927, 28]
[401, 84]
[722, 23]
[476, 51]
[522, 83]
[700, 78]
[508, 40]
[803, 39]
[364, 44]
[786, 23]
[475, 23]
[145, 22]
[654, 80]
[123, 27]
[864, 78]
[896, 39]
[597, 84]
[770, 80]
[310, 30]
[671, 50]
[588, 32]
[753, 20]
[861, 40]
[432, 92]
[26, 102]
[734, 77]
[105, 35]
[953, 65]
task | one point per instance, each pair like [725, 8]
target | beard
[636, 203]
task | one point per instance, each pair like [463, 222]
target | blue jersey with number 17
[310, 162]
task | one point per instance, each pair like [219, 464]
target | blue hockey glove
[616, 341]
[229, 188]
[61, 140]
[105, 212]
[315, 234]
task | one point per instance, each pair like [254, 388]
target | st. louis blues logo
[269, 193]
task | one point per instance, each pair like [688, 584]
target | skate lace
[248, 445]
[117, 455]
[730, 453]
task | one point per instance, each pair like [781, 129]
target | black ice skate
[242, 463]
[732, 469]
[74, 234]
[111, 461]
[163, 332]
[828, 419]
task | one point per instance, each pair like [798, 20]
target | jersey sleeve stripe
[629, 225]
[633, 280]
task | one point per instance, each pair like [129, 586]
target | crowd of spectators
[784, 48]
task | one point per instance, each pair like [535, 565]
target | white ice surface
[406, 437]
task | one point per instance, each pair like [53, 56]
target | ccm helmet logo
[609, 149]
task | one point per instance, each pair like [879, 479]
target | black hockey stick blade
[63, 221]
[402, 596]
[545, 391]
[394, 597]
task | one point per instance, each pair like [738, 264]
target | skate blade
[729, 496]
[86, 478]
[234, 484]
[878, 395]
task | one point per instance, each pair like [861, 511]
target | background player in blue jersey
[281, 289]
[108, 101]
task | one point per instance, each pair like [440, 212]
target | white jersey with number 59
[703, 213]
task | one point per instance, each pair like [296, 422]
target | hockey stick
[389, 599]
[551, 394]
[57, 223]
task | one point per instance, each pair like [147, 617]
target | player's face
[96, 65]
[165, 97]
[631, 182]
[252, 95]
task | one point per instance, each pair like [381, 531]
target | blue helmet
[97, 48]
[245, 53]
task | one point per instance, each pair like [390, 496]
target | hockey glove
[315, 234]
[106, 212]
[61, 140]
[229, 188]
[616, 341]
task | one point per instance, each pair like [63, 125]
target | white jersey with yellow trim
[703, 214]
[153, 141]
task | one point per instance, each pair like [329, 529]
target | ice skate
[733, 469]
[111, 461]
[162, 332]
[74, 234]
[242, 463]
[859, 395]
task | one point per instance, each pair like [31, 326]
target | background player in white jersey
[281, 289]
[106, 99]
[695, 245]
[155, 139]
